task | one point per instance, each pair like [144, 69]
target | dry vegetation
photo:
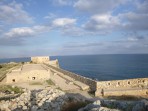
[5, 68]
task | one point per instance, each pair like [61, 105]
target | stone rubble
[36, 100]
[116, 105]
[54, 100]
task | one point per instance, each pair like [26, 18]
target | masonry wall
[42, 59]
[34, 75]
[128, 83]
[110, 88]
[135, 92]
[91, 83]
[122, 87]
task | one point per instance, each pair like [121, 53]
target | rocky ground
[114, 105]
[40, 100]
[50, 99]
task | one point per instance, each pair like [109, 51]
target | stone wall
[91, 83]
[40, 59]
[114, 87]
[35, 75]
[121, 87]
[128, 83]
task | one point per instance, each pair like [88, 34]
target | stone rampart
[121, 87]
[91, 83]
[106, 88]
[128, 83]
[134, 92]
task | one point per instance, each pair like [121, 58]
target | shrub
[1, 66]
[9, 88]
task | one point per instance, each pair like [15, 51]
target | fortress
[44, 59]
[32, 72]
[41, 68]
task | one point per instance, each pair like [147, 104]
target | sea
[101, 67]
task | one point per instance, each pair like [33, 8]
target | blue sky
[73, 27]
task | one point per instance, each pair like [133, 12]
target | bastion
[36, 71]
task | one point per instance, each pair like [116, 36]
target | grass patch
[50, 82]
[5, 68]
[35, 83]
[8, 88]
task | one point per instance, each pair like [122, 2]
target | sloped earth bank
[56, 100]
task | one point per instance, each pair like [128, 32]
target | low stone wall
[128, 83]
[121, 87]
[141, 92]
[91, 83]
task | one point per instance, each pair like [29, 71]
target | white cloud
[26, 31]
[63, 2]
[14, 13]
[97, 6]
[20, 32]
[61, 22]
[102, 23]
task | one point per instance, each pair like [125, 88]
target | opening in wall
[128, 82]
[13, 80]
[33, 78]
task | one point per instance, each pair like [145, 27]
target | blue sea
[102, 67]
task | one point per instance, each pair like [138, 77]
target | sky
[73, 27]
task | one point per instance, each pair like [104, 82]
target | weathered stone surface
[36, 100]
[112, 105]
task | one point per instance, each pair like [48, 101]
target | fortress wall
[54, 63]
[122, 87]
[141, 92]
[91, 83]
[110, 88]
[128, 83]
[35, 75]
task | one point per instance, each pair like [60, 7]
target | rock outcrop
[113, 105]
[36, 100]
[56, 100]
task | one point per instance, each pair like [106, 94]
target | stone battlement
[109, 88]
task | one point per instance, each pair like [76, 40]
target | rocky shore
[56, 100]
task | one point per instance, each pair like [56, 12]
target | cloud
[128, 21]
[20, 32]
[14, 13]
[50, 16]
[102, 23]
[63, 2]
[135, 21]
[18, 36]
[61, 22]
[132, 44]
[97, 6]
